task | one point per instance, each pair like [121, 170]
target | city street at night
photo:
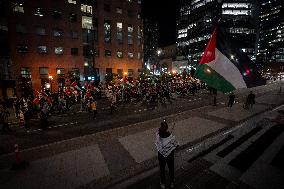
[123, 155]
[141, 94]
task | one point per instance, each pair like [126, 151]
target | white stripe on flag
[227, 69]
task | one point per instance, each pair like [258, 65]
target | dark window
[42, 49]
[40, 30]
[130, 13]
[107, 7]
[73, 17]
[57, 14]
[57, 33]
[22, 48]
[97, 52]
[107, 53]
[26, 73]
[95, 21]
[20, 28]
[74, 51]
[108, 70]
[73, 35]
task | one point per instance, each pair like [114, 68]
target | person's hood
[164, 134]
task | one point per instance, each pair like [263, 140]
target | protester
[4, 115]
[231, 99]
[166, 145]
[94, 109]
[250, 101]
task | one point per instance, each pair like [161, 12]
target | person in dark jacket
[231, 99]
[166, 145]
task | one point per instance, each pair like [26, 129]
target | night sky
[164, 12]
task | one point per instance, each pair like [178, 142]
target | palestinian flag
[224, 67]
[36, 103]
[74, 84]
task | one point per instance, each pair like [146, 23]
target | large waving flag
[224, 67]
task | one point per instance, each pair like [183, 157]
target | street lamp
[50, 81]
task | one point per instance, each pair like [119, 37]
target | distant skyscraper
[197, 18]
[150, 43]
[271, 37]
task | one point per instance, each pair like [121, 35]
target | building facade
[150, 44]
[271, 35]
[88, 39]
[7, 85]
[197, 19]
[118, 32]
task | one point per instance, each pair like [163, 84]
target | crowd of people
[149, 92]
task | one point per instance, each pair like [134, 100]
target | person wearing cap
[166, 144]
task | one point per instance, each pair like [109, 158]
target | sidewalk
[105, 158]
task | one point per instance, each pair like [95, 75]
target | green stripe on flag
[213, 79]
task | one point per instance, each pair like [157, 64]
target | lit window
[118, 10]
[130, 34]
[18, 7]
[22, 48]
[60, 71]
[107, 53]
[86, 9]
[139, 2]
[40, 30]
[130, 55]
[42, 49]
[87, 22]
[129, 1]
[119, 54]
[74, 51]
[107, 31]
[58, 50]
[139, 55]
[20, 28]
[119, 33]
[72, 2]
[73, 35]
[57, 33]
[139, 16]
[26, 73]
[38, 12]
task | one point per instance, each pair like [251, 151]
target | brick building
[51, 38]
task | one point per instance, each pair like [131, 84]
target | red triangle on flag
[209, 54]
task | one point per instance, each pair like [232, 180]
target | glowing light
[50, 77]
